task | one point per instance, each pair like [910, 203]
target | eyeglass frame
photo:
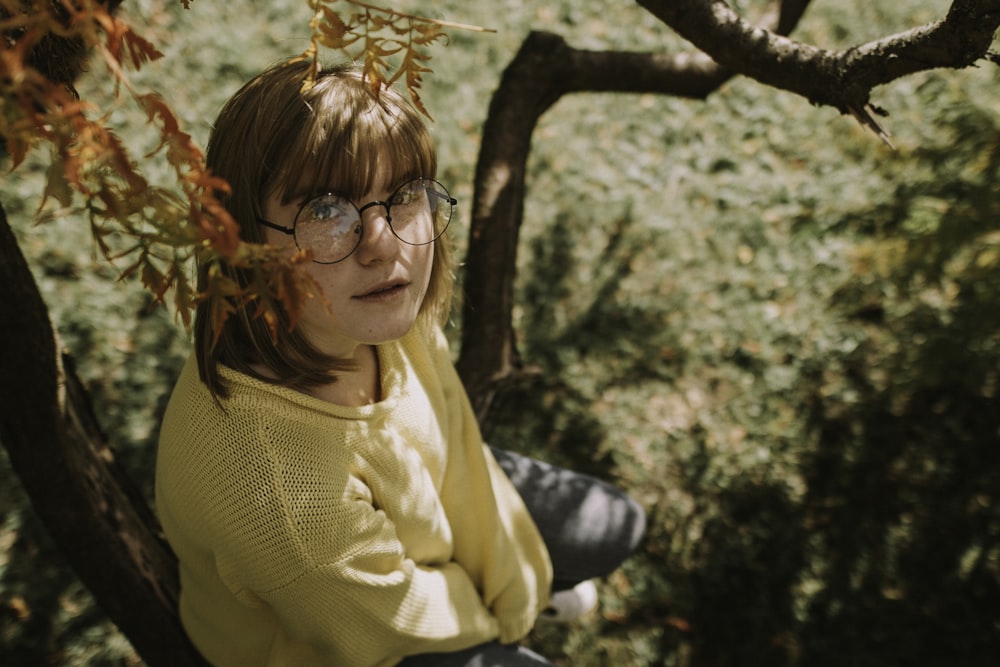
[451, 201]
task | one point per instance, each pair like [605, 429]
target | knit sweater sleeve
[370, 604]
[498, 544]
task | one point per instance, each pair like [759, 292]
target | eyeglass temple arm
[440, 195]
[279, 228]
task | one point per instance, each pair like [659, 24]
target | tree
[46, 420]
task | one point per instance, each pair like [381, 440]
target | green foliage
[780, 336]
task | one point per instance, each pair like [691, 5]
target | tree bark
[96, 516]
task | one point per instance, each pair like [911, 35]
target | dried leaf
[56, 186]
[121, 38]
[373, 36]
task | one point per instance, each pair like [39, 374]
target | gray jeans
[589, 528]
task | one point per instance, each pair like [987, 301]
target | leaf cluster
[390, 44]
[164, 228]
[150, 231]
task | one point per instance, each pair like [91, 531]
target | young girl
[328, 494]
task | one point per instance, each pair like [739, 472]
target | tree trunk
[96, 516]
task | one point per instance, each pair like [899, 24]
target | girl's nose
[378, 242]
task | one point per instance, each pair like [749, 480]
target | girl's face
[375, 294]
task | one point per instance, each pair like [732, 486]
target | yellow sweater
[315, 534]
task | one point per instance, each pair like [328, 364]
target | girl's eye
[410, 193]
[326, 211]
[328, 208]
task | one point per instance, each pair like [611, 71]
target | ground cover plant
[779, 334]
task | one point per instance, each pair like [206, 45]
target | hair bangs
[354, 143]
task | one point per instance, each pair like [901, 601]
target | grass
[776, 333]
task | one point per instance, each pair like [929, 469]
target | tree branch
[841, 79]
[98, 519]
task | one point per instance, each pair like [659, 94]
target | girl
[328, 494]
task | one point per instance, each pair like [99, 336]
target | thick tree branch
[99, 521]
[94, 513]
[842, 79]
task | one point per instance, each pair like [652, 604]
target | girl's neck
[361, 386]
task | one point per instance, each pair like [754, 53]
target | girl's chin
[329, 337]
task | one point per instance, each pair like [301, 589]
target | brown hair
[277, 136]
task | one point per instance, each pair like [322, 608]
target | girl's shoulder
[258, 432]
[254, 416]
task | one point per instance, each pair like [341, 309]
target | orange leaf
[57, 186]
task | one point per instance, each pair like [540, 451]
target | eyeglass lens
[330, 225]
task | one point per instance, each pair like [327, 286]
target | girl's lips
[383, 292]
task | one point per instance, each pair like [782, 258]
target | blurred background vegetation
[778, 334]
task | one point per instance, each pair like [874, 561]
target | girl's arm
[374, 604]
[339, 579]
[496, 540]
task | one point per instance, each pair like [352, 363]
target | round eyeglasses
[331, 226]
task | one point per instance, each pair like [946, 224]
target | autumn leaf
[121, 37]
[333, 32]
[56, 186]
[221, 292]
[373, 36]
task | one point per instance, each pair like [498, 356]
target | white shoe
[571, 604]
